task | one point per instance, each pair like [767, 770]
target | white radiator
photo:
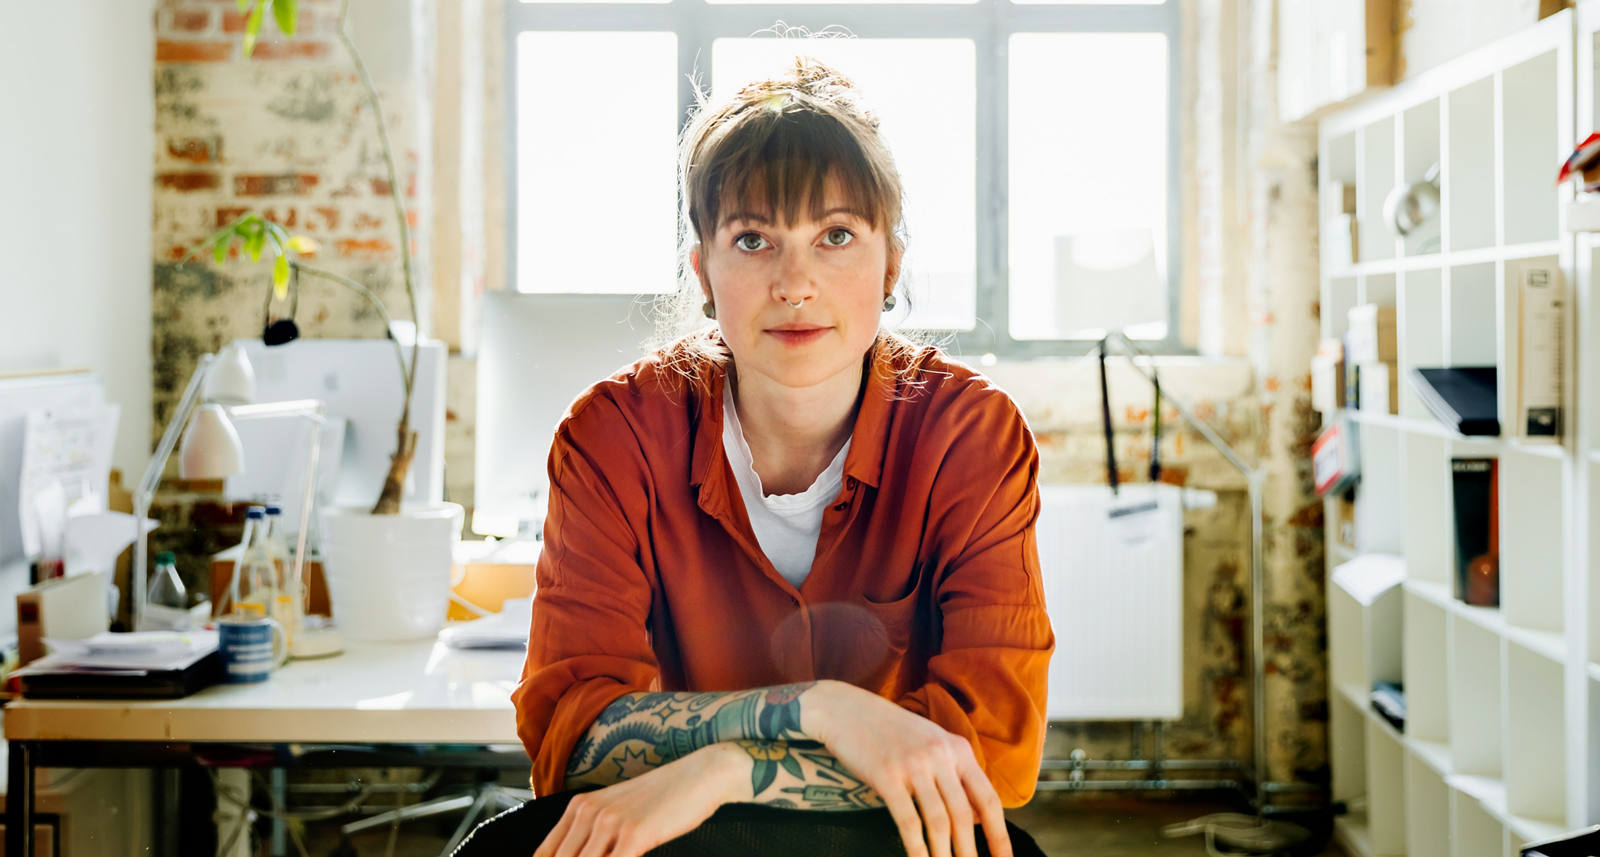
[1113, 582]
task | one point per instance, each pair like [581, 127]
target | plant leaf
[280, 277]
[220, 251]
[243, 5]
[305, 246]
[252, 28]
[286, 14]
[253, 244]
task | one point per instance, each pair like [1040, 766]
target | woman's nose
[796, 277]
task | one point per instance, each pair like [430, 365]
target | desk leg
[19, 799]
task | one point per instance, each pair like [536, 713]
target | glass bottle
[284, 594]
[166, 587]
[254, 583]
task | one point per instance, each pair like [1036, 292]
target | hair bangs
[774, 166]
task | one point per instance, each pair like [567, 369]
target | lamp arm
[1178, 404]
[151, 478]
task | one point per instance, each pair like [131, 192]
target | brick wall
[286, 133]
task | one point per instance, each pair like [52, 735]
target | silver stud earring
[888, 303]
[709, 308]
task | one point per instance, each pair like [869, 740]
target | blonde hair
[770, 148]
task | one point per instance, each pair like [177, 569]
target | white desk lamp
[211, 450]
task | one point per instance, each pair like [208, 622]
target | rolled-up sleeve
[589, 643]
[987, 682]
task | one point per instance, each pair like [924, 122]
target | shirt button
[840, 507]
[850, 482]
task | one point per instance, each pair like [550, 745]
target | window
[1037, 142]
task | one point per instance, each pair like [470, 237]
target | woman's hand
[906, 758]
[631, 817]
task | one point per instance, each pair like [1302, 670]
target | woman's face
[838, 269]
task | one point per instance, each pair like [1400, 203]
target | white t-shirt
[786, 525]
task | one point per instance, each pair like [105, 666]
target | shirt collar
[864, 462]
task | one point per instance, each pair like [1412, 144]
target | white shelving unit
[1500, 747]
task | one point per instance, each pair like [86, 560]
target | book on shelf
[1463, 398]
[1475, 491]
[1389, 700]
[1540, 353]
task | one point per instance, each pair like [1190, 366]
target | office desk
[414, 693]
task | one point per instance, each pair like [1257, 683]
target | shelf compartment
[1473, 333]
[1421, 314]
[1532, 546]
[1342, 295]
[1353, 832]
[1424, 667]
[1375, 181]
[1380, 498]
[1535, 751]
[1529, 129]
[1474, 831]
[1475, 703]
[1386, 805]
[1428, 549]
[1347, 747]
[1419, 129]
[1427, 810]
[1364, 616]
[1468, 185]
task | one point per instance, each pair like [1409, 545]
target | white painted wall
[76, 138]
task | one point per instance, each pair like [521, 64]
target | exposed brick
[370, 249]
[189, 180]
[367, 223]
[228, 214]
[329, 215]
[380, 187]
[198, 150]
[177, 252]
[184, 20]
[288, 218]
[169, 50]
[292, 50]
[291, 184]
[233, 21]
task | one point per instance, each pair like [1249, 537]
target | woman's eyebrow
[762, 219]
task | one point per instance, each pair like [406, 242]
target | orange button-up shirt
[925, 588]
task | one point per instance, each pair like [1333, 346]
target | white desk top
[410, 693]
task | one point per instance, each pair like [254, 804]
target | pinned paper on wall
[66, 464]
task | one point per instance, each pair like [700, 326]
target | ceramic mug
[252, 647]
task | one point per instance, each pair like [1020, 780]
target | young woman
[789, 560]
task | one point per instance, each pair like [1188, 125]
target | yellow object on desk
[485, 574]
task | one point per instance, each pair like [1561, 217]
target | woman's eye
[750, 241]
[840, 237]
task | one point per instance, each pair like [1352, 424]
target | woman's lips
[798, 337]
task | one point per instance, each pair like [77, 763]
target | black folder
[1463, 398]
[80, 683]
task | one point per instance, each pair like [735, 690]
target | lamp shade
[211, 448]
[231, 380]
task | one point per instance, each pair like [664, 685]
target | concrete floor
[1064, 825]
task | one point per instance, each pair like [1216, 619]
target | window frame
[988, 23]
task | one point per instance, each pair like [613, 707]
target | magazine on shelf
[1463, 398]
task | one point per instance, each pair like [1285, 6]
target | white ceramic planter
[389, 575]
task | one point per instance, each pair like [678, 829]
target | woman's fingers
[962, 842]
[557, 835]
[906, 819]
[935, 816]
[990, 814]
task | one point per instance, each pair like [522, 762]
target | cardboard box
[489, 573]
[1327, 377]
[62, 608]
[1541, 351]
[1372, 335]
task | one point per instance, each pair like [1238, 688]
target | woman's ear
[891, 271]
[694, 259]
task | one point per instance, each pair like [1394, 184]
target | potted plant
[388, 566]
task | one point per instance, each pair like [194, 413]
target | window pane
[1088, 185]
[596, 187]
[924, 93]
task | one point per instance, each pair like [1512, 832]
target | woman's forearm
[643, 731]
[800, 775]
